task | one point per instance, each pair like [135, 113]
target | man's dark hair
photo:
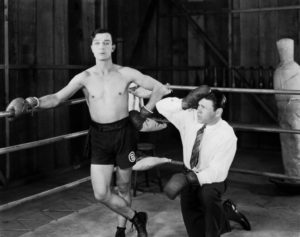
[102, 31]
[218, 99]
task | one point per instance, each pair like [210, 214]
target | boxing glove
[151, 125]
[16, 106]
[194, 96]
[20, 106]
[178, 182]
[32, 102]
[175, 185]
[138, 118]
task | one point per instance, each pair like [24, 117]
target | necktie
[195, 152]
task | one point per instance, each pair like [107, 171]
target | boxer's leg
[101, 176]
[124, 183]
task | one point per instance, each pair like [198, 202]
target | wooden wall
[38, 36]
[47, 32]
[2, 91]
[255, 36]
[170, 41]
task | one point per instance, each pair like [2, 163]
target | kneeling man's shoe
[234, 215]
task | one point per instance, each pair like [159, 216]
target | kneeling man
[209, 146]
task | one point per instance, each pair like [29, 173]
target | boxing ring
[241, 127]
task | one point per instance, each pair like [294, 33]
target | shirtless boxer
[112, 135]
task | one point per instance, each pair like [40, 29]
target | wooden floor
[75, 213]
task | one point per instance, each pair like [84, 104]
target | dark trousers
[202, 210]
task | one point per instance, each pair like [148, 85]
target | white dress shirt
[217, 147]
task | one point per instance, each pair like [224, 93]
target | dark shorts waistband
[105, 127]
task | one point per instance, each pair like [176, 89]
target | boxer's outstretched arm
[158, 90]
[20, 106]
[140, 92]
[53, 100]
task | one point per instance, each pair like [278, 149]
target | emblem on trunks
[131, 156]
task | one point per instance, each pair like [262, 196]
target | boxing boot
[120, 231]
[140, 221]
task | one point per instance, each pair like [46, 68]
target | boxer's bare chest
[110, 86]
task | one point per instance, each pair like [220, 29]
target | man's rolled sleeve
[169, 105]
[171, 108]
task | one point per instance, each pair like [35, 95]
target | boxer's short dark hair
[218, 99]
[102, 31]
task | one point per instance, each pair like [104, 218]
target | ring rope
[23, 146]
[173, 162]
[258, 173]
[43, 194]
[42, 142]
[4, 114]
[250, 127]
[241, 90]
[46, 141]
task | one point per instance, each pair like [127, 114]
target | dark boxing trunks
[113, 143]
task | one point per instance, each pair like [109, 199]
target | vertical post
[6, 82]
[120, 55]
[215, 76]
[229, 41]
[224, 69]
[103, 9]
[156, 40]
[172, 40]
[270, 77]
[229, 67]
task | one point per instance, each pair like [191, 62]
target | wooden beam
[147, 20]
[217, 52]
[265, 9]
[45, 46]
[6, 84]
[200, 32]
[197, 12]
